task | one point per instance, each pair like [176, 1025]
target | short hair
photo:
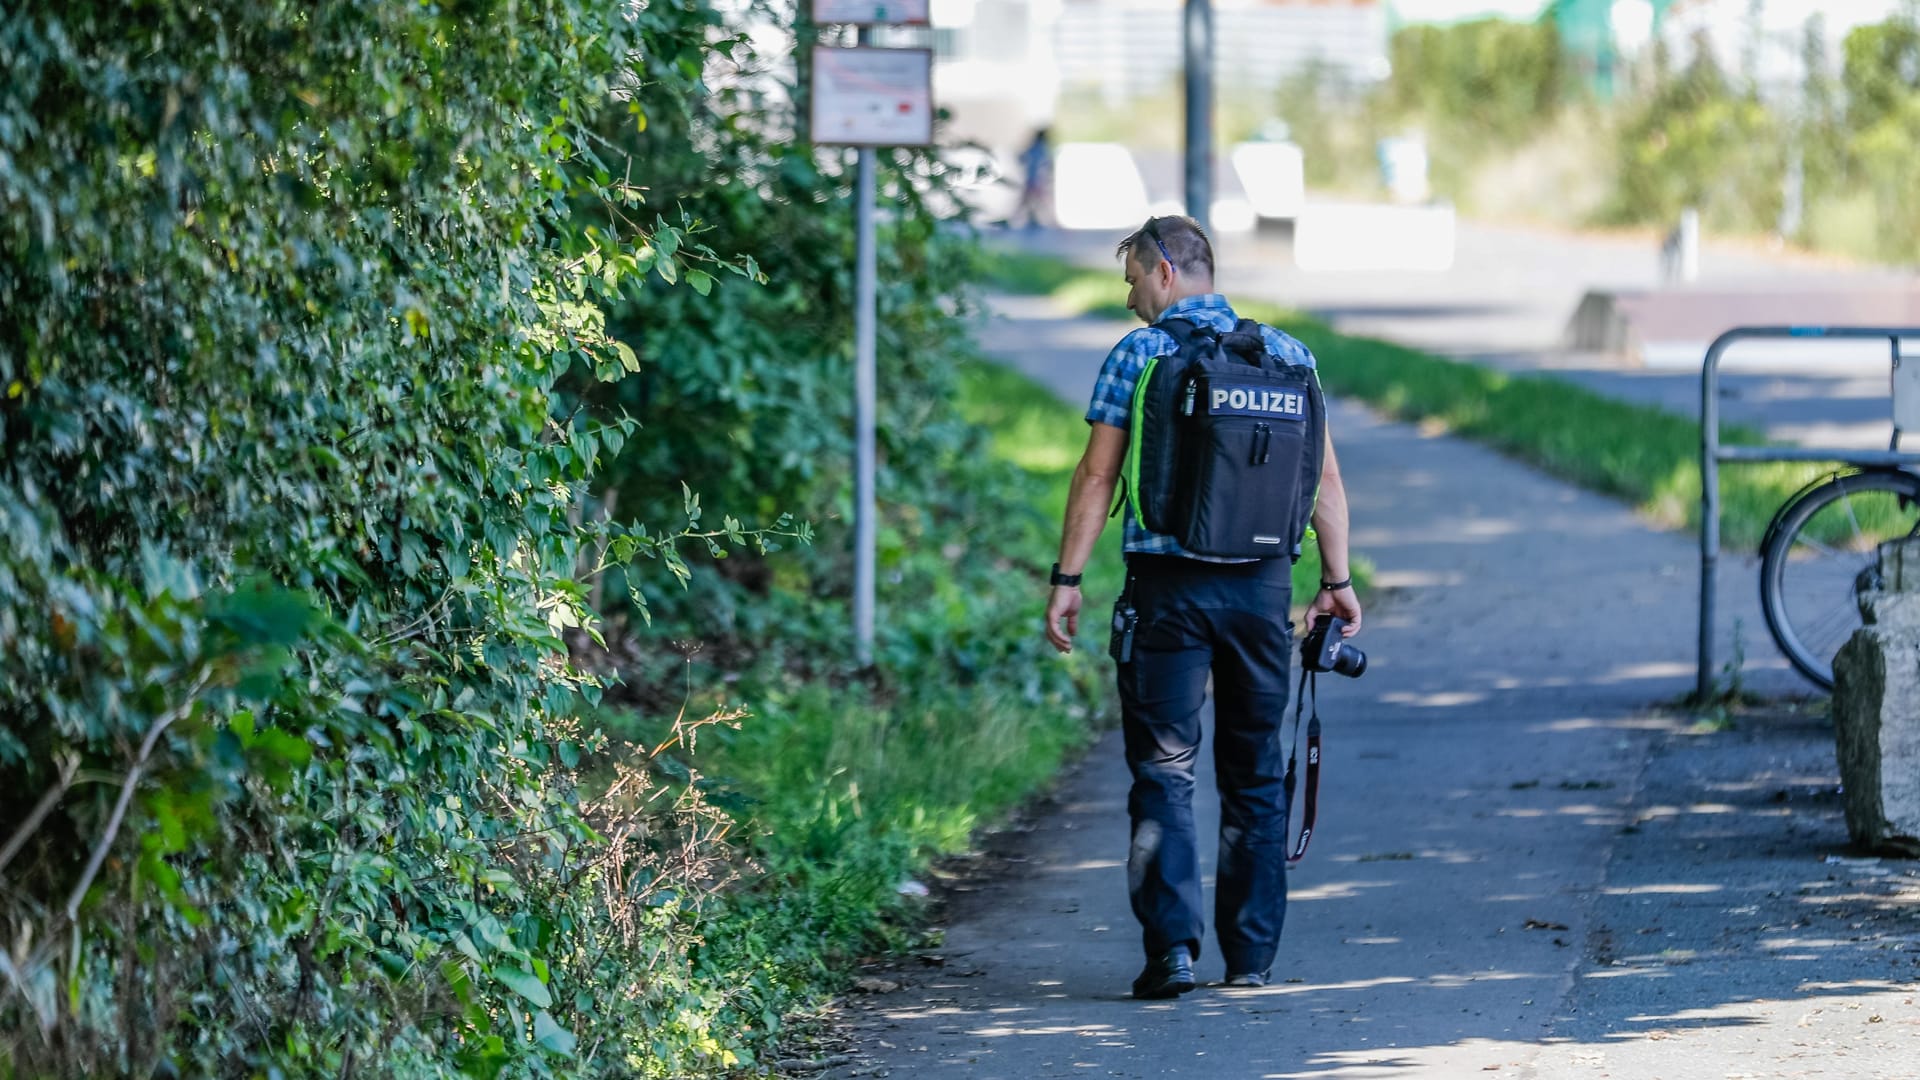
[1179, 238]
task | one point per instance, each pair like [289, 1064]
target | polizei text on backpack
[1265, 401]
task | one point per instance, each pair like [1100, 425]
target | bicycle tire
[1813, 614]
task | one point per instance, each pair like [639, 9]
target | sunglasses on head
[1153, 231]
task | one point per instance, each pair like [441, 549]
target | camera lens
[1349, 661]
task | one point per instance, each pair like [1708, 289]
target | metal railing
[1905, 391]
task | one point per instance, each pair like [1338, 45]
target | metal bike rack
[1906, 416]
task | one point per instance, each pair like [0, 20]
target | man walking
[1196, 616]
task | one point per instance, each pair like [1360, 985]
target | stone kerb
[1876, 708]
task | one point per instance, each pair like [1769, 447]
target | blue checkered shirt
[1113, 391]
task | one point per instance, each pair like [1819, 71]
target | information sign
[872, 97]
[871, 12]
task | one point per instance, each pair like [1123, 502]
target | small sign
[872, 97]
[871, 12]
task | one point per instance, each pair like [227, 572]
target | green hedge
[286, 747]
[321, 332]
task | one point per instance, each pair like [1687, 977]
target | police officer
[1197, 617]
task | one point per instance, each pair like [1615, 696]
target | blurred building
[1001, 65]
[1404, 12]
[1128, 48]
[994, 69]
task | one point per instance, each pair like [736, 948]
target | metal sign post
[866, 97]
[865, 399]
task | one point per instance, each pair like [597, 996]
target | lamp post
[1199, 71]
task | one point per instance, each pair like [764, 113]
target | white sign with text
[871, 12]
[872, 97]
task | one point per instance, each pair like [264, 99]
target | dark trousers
[1229, 621]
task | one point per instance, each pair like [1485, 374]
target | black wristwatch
[1059, 578]
[1336, 586]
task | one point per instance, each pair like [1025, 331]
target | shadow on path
[1504, 812]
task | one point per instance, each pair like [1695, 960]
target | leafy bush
[1880, 69]
[1881, 74]
[844, 780]
[1502, 80]
[1696, 141]
[284, 727]
[745, 395]
[1328, 117]
[1510, 133]
[320, 331]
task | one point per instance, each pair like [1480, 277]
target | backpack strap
[1246, 342]
[1184, 330]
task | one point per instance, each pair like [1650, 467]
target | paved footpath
[1524, 866]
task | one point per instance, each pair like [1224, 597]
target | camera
[1324, 649]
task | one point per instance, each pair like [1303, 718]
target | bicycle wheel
[1821, 553]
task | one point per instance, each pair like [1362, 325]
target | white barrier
[1097, 186]
[1361, 236]
[1232, 215]
[1274, 177]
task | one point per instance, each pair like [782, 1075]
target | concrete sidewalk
[1523, 867]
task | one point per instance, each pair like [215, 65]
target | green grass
[844, 792]
[1079, 291]
[1646, 456]
[858, 791]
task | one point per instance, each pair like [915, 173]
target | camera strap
[1309, 685]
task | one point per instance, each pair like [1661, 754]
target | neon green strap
[1130, 475]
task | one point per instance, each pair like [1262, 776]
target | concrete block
[1876, 709]
[1890, 609]
[1273, 174]
[1599, 325]
[1097, 186]
[1900, 566]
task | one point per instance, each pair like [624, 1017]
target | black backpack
[1225, 444]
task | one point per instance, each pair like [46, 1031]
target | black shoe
[1167, 975]
[1247, 978]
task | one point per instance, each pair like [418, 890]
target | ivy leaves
[299, 521]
